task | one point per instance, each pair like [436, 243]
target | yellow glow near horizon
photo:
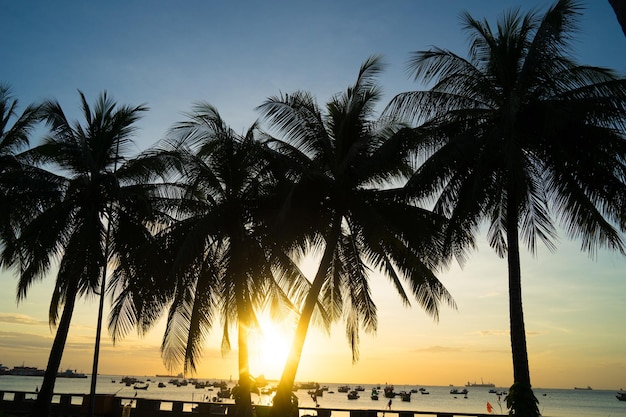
[269, 348]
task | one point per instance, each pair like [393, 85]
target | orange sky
[574, 310]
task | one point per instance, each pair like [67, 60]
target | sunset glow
[269, 349]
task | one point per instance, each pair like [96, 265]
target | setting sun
[269, 348]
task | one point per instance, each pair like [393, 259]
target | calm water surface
[553, 402]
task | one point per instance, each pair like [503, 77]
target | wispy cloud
[22, 319]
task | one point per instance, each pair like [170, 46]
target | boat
[458, 391]
[161, 385]
[405, 396]
[374, 394]
[224, 393]
[353, 395]
[481, 384]
[389, 391]
[26, 371]
[308, 385]
[588, 388]
[360, 388]
[343, 388]
[143, 387]
[621, 395]
[129, 380]
[68, 373]
[424, 392]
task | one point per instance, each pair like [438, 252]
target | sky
[234, 55]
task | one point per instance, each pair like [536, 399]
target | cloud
[24, 341]
[493, 332]
[440, 349]
[22, 319]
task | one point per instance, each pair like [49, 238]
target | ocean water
[552, 402]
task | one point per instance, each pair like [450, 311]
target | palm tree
[105, 208]
[345, 164]
[520, 134]
[219, 258]
[21, 184]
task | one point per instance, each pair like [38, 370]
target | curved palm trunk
[282, 400]
[521, 399]
[41, 407]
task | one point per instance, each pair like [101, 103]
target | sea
[552, 402]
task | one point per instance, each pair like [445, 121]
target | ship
[68, 373]
[481, 384]
[26, 371]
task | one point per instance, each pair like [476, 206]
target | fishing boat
[389, 393]
[588, 388]
[353, 395]
[343, 388]
[142, 387]
[458, 391]
[405, 396]
[621, 395]
[374, 394]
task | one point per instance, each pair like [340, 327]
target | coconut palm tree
[520, 135]
[221, 263]
[105, 208]
[21, 184]
[345, 164]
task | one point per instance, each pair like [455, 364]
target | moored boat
[389, 393]
[621, 395]
[343, 388]
[353, 395]
[374, 395]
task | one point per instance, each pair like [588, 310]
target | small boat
[360, 388]
[161, 385]
[144, 387]
[458, 391]
[374, 395]
[389, 391]
[224, 393]
[405, 396]
[343, 388]
[588, 388]
[621, 395]
[353, 395]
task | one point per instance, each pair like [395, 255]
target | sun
[269, 349]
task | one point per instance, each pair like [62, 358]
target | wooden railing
[107, 405]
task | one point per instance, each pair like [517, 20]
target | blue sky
[234, 55]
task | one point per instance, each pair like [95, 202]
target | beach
[552, 402]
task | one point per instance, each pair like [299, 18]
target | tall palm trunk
[243, 398]
[282, 400]
[520, 399]
[41, 407]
